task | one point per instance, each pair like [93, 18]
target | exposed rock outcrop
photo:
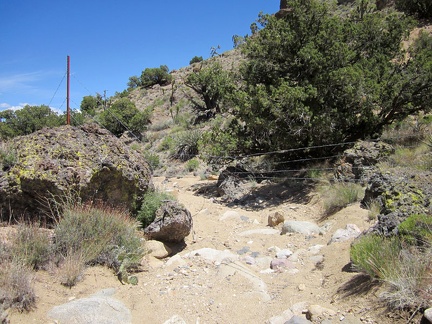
[86, 161]
[400, 194]
[358, 162]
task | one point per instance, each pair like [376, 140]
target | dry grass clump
[70, 271]
[374, 209]
[31, 245]
[97, 235]
[16, 290]
[26, 249]
[409, 132]
[413, 144]
[83, 235]
[402, 262]
[417, 157]
[339, 195]
[410, 281]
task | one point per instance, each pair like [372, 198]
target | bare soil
[200, 291]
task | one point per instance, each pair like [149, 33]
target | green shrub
[167, 144]
[186, 144]
[302, 77]
[196, 59]
[192, 165]
[417, 230]
[100, 235]
[8, 156]
[27, 120]
[90, 104]
[340, 195]
[219, 142]
[152, 159]
[123, 116]
[184, 120]
[134, 82]
[151, 202]
[153, 76]
[212, 83]
[375, 255]
[31, 246]
[160, 126]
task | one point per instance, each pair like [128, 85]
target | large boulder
[173, 222]
[84, 162]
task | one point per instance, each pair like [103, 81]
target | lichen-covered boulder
[86, 162]
[399, 194]
[173, 222]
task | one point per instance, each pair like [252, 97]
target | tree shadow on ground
[265, 195]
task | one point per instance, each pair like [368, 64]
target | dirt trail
[235, 285]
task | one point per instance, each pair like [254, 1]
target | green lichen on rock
[400, 194]
[85, 160]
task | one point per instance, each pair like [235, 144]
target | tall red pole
[67, 92]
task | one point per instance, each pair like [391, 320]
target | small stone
[282, 318]
[281, 264]
[243, 250]
[275, 219]
[244, 218]
[316, 312]
[284, 254]
[351, 231]
[302, 227]
[428, 314]
[301, 287]
[299, 308]
[230, 214]
[249, 260]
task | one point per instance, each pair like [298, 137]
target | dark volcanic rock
[358, 162]
[400, 194]
[86, 161]
[173, 223]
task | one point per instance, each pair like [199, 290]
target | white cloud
[20, 81]
[5, 106]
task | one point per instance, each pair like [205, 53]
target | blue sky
[107, 41]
